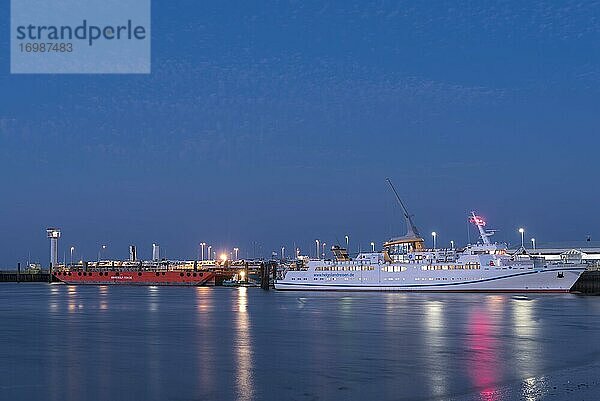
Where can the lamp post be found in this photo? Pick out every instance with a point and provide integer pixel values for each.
(323, 254)
(283, 253)
(72, 249)
(522, 231)
(318, 247)
(452, 245)
(202, 245)
(209, 254)
(236, 250)
(533, 243)
(348, 243)
(373, 247)
(434, 235)
(103, 247)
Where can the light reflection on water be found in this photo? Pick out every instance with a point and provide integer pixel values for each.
(206, 374)
(434, 329)
(526, 332)
(72, 297)
(153, 297)
(163, 343)
(483, 351)
(102, 292)
(243, 347)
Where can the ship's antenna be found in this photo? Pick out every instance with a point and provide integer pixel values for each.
(412, 230)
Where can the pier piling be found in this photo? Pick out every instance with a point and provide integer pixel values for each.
(588, 283)
(264, 275)
(266, 269)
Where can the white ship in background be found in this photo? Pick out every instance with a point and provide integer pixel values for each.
(405, 265)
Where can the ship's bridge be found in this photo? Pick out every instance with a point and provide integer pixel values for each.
(396, 247)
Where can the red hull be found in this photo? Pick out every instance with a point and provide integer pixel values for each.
(134, 277)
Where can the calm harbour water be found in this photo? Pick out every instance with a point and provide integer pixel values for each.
(60, 342)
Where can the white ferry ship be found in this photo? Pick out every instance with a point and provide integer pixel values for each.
(405, 265)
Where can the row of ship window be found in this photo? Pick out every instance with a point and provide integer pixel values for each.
(396, 269)
(387, 279)
(344, 268)
(466, 266)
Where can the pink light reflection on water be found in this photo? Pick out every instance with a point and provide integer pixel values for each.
(484, 353)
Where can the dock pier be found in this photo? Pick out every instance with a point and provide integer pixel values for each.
(16, 276)
(588, 283)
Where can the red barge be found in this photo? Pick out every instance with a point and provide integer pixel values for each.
(135, 276)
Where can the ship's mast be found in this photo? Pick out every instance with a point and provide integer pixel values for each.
(480, 223)
(411, 229)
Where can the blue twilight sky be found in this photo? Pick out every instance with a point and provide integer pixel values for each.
(278, 122)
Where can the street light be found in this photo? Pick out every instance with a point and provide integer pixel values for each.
(209, 248)
(347, 243)
(373, 247)
(283, 253)
(100, 250)
(72, 249)
(318, 247)
(236, 252)
(522, 231)
(533, 243)
(202, 245)
(434, 235)
(452, 245)
(323, 254)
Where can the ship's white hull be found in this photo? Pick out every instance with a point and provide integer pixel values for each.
(539, 280)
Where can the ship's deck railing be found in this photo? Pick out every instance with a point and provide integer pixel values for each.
(293, 268)
(95, 268)
(592, 264)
